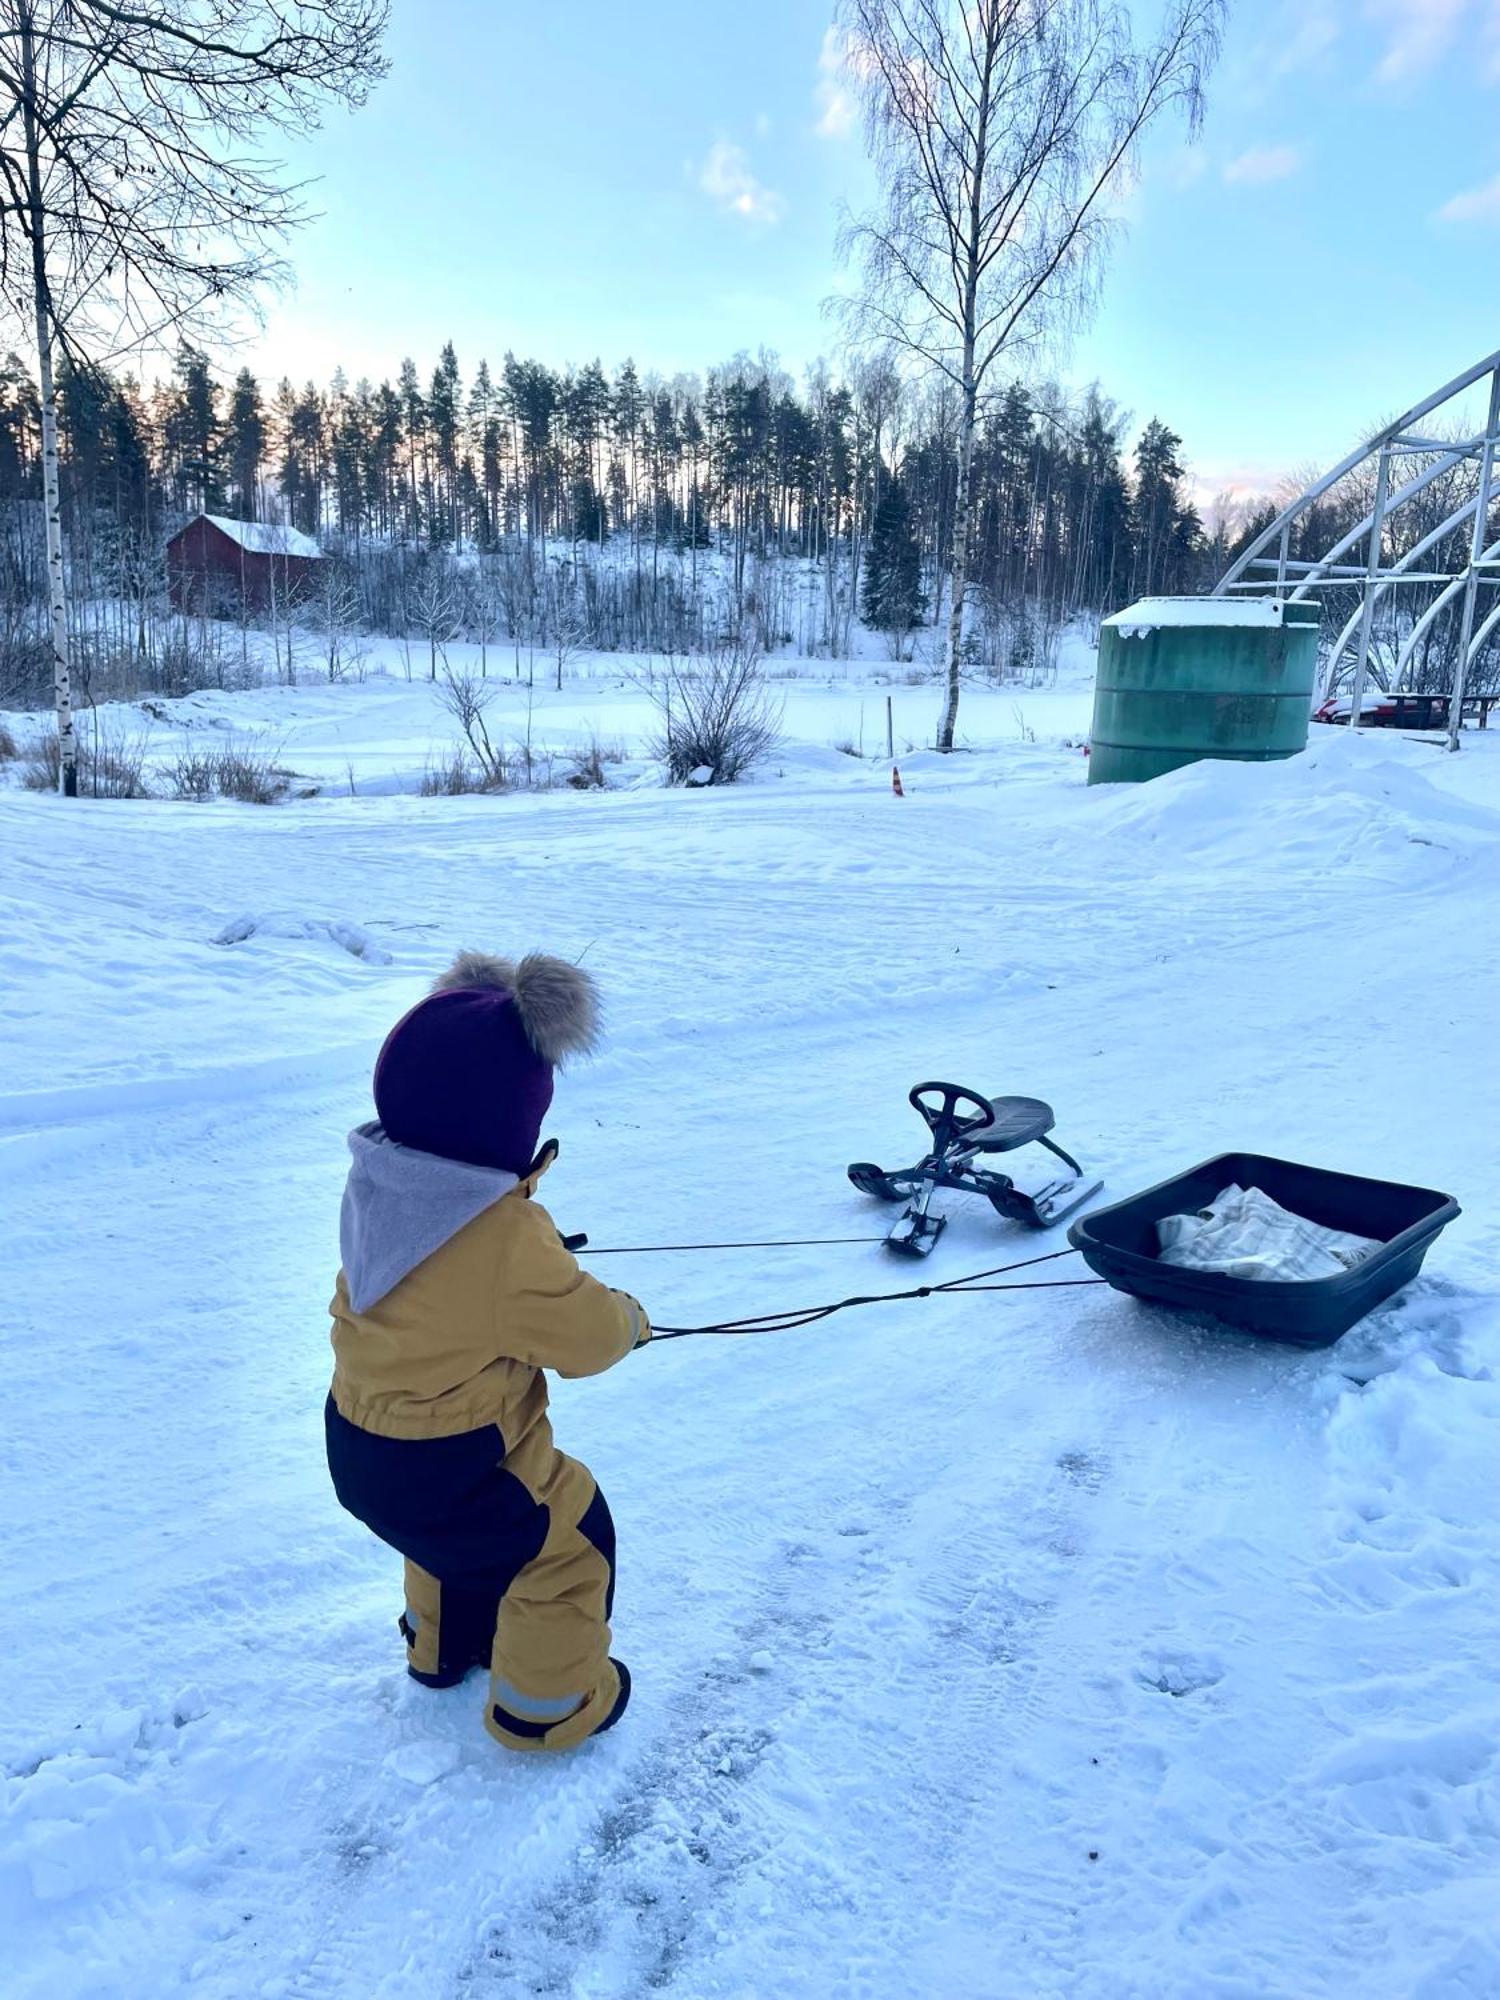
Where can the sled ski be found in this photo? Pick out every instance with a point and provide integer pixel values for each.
(966, 1129)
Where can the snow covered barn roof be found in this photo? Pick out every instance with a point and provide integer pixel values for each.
(265, 538)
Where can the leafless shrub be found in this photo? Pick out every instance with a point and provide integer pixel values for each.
(251, 777)
(8, 750)
(192, 774)
(466, 698)
(455, 774)
(715, 713)
(589, 772)
(25, 653)
(242, 772)
(115, 767)
(42, 764)
(111, 766)
(529, 768)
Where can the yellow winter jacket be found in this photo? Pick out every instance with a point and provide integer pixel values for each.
(461, 1340)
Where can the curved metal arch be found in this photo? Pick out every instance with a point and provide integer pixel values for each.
(1297, 580)
(1429, 617)
(1487, 630)
(1355, 536)
(1288, 515)
(1396, 575)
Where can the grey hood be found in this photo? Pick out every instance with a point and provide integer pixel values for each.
(400, 1206)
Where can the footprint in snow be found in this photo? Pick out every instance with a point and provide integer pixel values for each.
(1083, 1469)
(352, 938)
(1179, 1674)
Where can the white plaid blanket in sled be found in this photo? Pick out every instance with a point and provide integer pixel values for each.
(1244, 1234)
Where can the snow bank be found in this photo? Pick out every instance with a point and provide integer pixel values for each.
(1361, 805)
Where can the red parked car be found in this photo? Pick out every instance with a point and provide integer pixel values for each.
(1379, 710)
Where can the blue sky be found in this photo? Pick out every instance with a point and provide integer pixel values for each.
(663, 181)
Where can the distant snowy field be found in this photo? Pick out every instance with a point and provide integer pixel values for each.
(999, 1646)
(381, 733)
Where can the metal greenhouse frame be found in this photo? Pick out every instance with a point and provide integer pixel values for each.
(1259, 570)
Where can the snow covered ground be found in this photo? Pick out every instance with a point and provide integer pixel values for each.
(996, 1646)
(381, 734)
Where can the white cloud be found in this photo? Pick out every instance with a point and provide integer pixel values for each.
(1420, 34)
(1263, 164)
(1184, 169)
(726, 178)
(1312, 30)
(1242, 484)
(1410, 38)
(838, 108)
(1481, 204)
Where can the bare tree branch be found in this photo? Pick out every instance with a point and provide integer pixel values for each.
(131, 205)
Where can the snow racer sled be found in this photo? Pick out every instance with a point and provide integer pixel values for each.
(965, 1127)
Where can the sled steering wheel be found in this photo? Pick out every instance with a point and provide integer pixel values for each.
(947, 1120)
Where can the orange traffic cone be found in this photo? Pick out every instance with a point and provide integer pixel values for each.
(896, 781)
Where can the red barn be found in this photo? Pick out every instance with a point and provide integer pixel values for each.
(216, 564)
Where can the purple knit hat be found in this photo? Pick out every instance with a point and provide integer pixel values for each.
(468, 1072)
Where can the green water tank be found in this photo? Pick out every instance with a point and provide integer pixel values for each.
(1182, 678)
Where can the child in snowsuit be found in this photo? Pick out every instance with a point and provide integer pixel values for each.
(455, 1293)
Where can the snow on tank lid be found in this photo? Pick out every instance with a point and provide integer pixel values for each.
(1154, 612)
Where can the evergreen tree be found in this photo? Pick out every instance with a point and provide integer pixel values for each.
(893, 598)
(482, 438)
(1102, 522)
(383, 482)
(626, 407)
(531, 393)
(135, 499)
(20, 425)
(192, 433)
(414, 435)
(246, 444)
(309, 437)
(354, 422)
(443, 426)
(1157, 504)
(84, 397)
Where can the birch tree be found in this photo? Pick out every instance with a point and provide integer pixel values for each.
(1002, 130)
(134, 198)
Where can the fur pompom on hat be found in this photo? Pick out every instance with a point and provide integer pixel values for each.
(467, 1074)
(558, 1001)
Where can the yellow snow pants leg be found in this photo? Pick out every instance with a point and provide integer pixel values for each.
(552, 1681)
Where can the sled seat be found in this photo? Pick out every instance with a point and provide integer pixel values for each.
(1014, 1121)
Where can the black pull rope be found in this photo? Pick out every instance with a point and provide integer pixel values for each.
(794, 1317)
(778, 1243)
